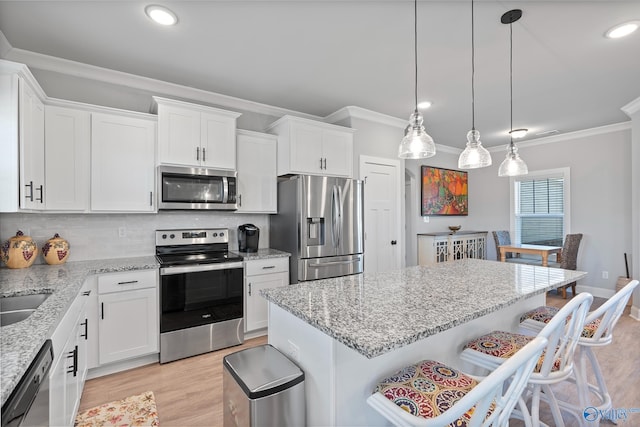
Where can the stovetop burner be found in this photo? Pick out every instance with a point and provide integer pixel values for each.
(187, 247)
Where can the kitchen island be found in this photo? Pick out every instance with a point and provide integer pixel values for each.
(347, 333)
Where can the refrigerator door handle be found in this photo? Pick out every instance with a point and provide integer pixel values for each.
(332, 263)
(335, 217)
(340, 215)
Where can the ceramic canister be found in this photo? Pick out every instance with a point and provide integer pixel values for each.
(19, 251)
(55, 250)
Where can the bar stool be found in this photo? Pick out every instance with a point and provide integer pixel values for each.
(555, 364)
(430, 393)
(598, 332)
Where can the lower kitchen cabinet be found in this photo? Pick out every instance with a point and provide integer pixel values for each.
(261, 274)
(69, 367)
(128, 315)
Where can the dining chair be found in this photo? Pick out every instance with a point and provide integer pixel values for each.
(597, 332)
(432, 394)
(502, 237)
(569, 260)
(555, 365)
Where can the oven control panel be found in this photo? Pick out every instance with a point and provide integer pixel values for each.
(192, 237)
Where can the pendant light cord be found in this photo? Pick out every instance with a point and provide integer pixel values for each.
(415, 49)
(473, 71)
(511, 77)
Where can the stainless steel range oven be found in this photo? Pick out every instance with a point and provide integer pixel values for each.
(201, 291)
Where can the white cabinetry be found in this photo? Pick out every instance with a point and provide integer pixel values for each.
(128, 306)
(441, 247)
(122, 163)
(196, 135)
(31, 134)
(262, 274)
(311, 147)
(67, 141)
(70, 364)
(257, 179)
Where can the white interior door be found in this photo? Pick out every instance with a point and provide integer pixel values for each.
(382, 225)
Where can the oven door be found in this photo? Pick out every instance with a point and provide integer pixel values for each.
(196, 188)
(197, 295)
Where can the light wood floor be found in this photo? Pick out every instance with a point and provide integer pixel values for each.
(189, 392)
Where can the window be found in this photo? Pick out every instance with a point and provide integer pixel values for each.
(540, 207)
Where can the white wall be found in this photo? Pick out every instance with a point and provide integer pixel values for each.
(96, 236)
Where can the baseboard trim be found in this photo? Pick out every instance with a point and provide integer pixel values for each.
(125, 365)
(635, 313)
(596, 292)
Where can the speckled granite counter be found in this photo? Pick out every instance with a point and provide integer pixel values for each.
(374, 314)
(20, 341)
(263, 254)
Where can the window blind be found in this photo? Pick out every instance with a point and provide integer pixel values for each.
(540, 211)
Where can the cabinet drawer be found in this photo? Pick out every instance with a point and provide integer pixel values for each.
(126, 281)
(267, 266)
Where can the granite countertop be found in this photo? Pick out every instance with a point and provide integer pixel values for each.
(20, 342)
(262, 254)
(376, 313)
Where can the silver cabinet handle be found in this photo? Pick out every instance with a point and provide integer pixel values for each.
(320, 162)
(30, 196)
(240, 200)
(266, 267)
(204, 155)
(41, 199)
(249, 288)
(325, 163)
(150, 198)
(129, 282)
(197, 153)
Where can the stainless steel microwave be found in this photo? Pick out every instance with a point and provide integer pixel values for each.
(196, 188)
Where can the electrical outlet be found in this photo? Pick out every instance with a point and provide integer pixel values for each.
(425, 219)
(293, 351)
(122, 232)
(605, 274)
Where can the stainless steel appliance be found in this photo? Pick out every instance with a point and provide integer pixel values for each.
(201, 292)
(248, 237)
(28, 404)
(196, 188)
(319, 222)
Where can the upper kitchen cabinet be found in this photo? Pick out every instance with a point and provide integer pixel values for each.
(122, 163)
(31, 135)
(311, 147)
(195, 135)
(67, 142)
(257, 180)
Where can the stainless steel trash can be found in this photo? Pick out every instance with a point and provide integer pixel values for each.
(262, 387)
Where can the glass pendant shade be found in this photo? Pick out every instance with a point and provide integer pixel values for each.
(512, 165)
(474, 155)
(417, 143)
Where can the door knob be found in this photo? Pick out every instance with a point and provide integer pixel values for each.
(393, 242)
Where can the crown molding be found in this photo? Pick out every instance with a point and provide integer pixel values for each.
(616, 127)
(352, 111)
(119, 78)
(5, 46)
(632, 107)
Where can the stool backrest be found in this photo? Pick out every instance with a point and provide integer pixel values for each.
(563, 333)
(608, 314)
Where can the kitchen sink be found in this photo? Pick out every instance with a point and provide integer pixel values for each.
(15, 309)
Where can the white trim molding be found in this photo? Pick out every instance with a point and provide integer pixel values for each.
(632, 107)
(364, 114)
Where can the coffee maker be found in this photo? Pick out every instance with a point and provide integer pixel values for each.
(248, 236)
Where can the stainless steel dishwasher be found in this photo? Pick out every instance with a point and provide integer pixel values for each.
(28, 404)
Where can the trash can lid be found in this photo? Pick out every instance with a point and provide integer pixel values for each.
(262, 371)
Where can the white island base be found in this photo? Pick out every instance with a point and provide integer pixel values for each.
(338, 379)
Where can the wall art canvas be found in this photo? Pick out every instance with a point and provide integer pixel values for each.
(444, 192)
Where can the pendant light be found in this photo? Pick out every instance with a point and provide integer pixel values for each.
(512, 165)
(474, 155)
(417, 143)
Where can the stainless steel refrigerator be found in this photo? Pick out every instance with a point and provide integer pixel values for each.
(319, 222)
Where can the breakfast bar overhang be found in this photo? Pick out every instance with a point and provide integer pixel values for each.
(347, 333)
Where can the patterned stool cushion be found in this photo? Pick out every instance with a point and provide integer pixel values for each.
(544, 314)
(504, 345)
(427, 389)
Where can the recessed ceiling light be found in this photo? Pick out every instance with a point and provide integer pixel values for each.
(518, 133)
(161, 15)
(424, 105)
(622, 30)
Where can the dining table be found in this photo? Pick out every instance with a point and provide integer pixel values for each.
(543, 250)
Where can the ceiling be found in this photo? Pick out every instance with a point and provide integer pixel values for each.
(316, 57)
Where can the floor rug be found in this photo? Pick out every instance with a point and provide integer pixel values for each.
(137, 410)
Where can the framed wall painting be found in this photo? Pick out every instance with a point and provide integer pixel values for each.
(444, 192)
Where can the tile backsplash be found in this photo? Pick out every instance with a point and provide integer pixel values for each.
(102, 236)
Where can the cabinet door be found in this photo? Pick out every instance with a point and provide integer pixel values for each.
(57, 391)
(256, 313)
(122, 163)
(337, 152)
(67, 153)
(257, 175)
(128, 325)
(306, 149)
(178, 136)
(31, 134)
(217, 141)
